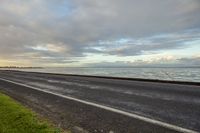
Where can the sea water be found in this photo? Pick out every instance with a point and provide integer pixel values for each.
(174, 74)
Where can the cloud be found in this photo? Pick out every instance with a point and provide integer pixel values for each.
(56, 48)
(140, 46)
(195, 61)
(72, 28)
(166, 61)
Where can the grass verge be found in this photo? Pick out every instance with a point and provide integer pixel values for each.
(15, 118)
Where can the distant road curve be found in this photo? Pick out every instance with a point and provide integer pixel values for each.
(173, 106)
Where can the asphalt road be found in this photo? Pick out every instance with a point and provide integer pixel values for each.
(176, 104)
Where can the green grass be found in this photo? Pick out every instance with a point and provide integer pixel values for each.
(15, 118)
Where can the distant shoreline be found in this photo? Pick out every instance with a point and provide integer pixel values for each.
(13, 67)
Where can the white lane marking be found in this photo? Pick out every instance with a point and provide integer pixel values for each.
(145, 119)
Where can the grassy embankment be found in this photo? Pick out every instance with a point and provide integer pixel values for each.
(15, 118)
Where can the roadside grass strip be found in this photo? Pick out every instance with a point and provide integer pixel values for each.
(15, 118)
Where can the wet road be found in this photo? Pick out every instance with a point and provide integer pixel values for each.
(171, 103)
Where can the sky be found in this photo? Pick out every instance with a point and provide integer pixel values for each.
(96, 33)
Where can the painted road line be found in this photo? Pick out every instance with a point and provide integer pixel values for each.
(142, 118)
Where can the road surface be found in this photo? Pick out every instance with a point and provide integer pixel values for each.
(174, 104)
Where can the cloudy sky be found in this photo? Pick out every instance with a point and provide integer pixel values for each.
(99, 32)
